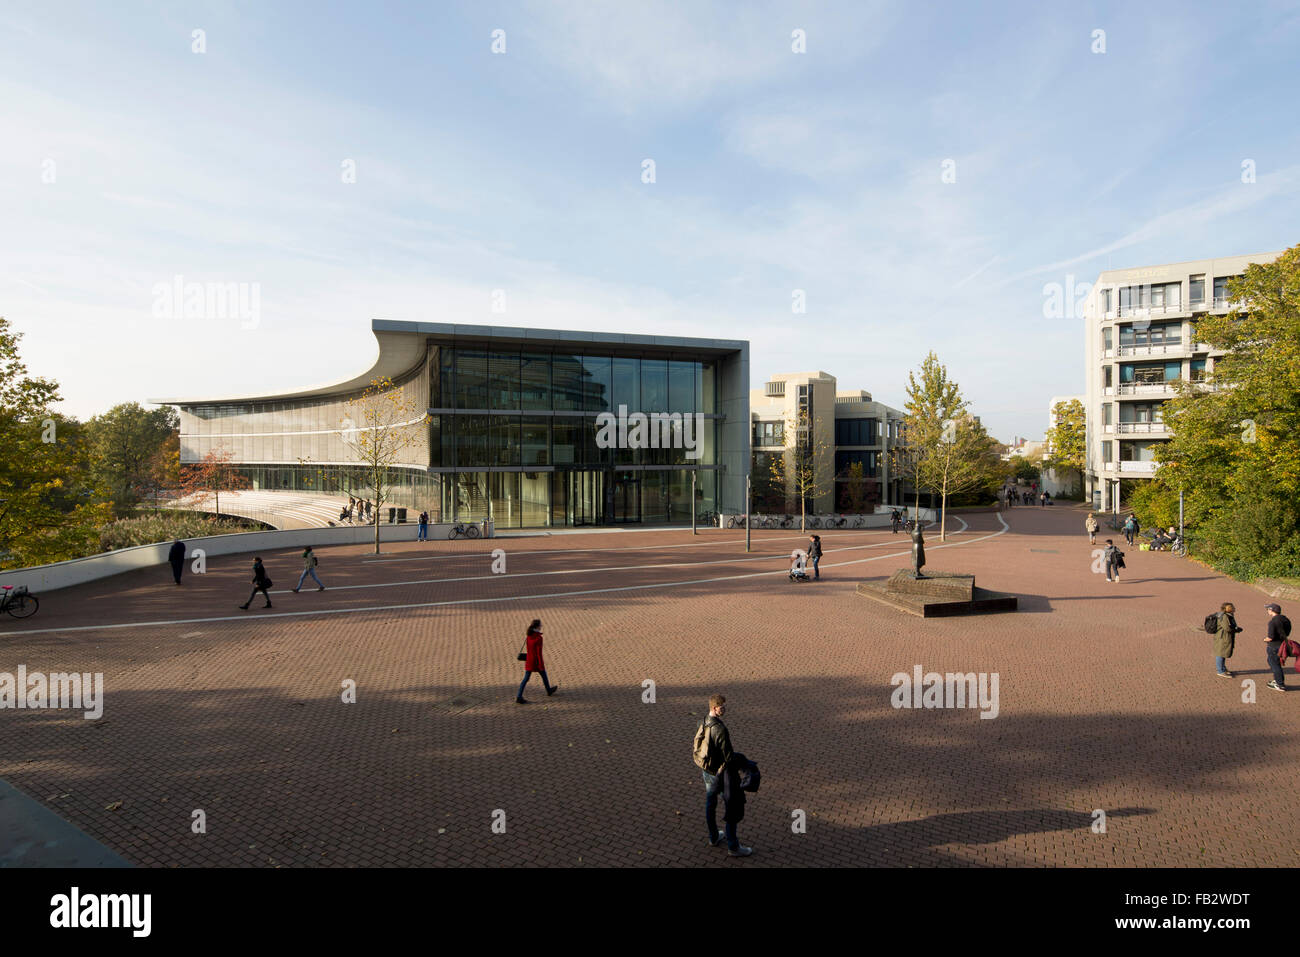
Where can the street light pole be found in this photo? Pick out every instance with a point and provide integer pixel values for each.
(693, 530)
(747, 495)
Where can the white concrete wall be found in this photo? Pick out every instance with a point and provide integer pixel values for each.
(78, 571)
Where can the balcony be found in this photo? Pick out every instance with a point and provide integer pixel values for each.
(1135, 312)
(1146, 388)
(1173, 347)
(1141, 428)
(1131, 467)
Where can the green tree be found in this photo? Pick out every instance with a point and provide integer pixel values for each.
(48, 512)
(1235, 450)
(948, 451)
(1066, 440)
(129, 451)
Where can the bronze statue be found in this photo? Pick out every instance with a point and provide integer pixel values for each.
(918, 551)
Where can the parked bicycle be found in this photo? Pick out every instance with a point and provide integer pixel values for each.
(706, 518)
(19, 602)
(859, 522)
(461, 528)
(736, 521)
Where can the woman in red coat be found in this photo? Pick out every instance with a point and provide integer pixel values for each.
(533, 661)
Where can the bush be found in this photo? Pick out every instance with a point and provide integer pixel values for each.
(154, 527)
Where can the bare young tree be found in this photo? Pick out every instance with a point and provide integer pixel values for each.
(383, 426)
(805, 469)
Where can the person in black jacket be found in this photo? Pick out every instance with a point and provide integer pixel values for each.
(715, 784)
(739, 772)
(1279, 630)
(815, 553)
(176, 556)
(1114, 560)
(261, 583)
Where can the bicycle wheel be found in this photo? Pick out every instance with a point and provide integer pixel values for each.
(22, 606)
(452, 532)
(472, 531)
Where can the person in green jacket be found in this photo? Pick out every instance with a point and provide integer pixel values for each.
(1225, 639)
(308, 568)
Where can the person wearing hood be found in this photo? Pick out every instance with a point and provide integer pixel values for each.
(176, 556)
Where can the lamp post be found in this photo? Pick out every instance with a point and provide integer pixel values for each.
(693, 529)
(748, 492)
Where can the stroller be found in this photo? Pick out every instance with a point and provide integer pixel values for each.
(798, 571)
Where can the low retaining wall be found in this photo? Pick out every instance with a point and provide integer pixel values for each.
(1279, 590)
(78, 571)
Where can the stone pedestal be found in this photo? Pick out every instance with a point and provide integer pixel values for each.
(936, 595)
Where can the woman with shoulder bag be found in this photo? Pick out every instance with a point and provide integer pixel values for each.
(532, 659)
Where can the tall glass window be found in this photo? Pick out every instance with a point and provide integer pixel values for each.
(471, 379)
(627, 384)
(505, 440)
(534, 440)
(503, 387)
(654, 385)
(681, 387)
(535, 381)
(567, 383)
(598, 373)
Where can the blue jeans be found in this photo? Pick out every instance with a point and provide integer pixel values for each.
(1220, 665)
(303, 577)
(424, 533)
(1274, 664)
(816, 571)
(712, 789)
(528, 674)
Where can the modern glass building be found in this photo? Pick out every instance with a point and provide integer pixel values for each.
(514, 426)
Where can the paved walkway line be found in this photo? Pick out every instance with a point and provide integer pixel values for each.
(480, 601)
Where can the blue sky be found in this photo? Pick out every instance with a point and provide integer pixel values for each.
(521, 171)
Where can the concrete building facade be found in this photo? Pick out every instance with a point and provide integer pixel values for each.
(1140, 339)
(525, 427)
(846, 427)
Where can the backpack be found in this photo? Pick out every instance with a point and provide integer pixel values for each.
(702, 751)
(1289, 649)
(1212, 624)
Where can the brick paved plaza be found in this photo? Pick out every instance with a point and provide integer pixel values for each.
(1108, 700)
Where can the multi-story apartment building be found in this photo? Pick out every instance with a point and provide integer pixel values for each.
(849, 428)
(1141, 338)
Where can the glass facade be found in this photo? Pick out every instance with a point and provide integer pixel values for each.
(514, 437)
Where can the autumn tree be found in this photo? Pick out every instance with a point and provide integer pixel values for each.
(1066, 439)
(384, 427)
(210, 476)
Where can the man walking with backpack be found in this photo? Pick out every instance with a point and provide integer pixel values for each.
(713, 753)
(1130, 528)
(1114, 560)
(1279, 630)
